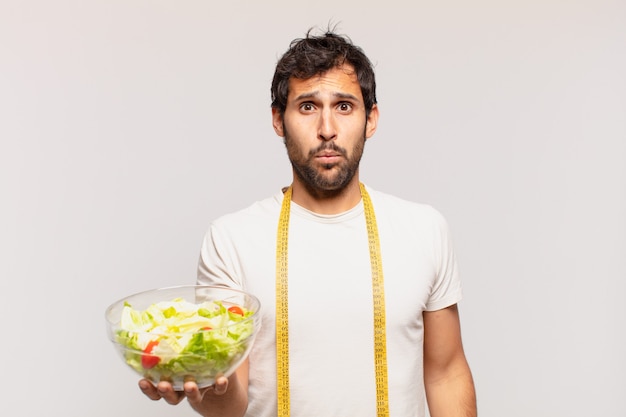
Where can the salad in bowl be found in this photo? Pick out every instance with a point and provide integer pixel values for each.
(185, 333)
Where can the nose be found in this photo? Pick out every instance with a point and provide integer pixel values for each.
(327, 129)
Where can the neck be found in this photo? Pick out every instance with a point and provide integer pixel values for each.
(324, 201)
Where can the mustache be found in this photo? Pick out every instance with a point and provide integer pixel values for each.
(328, 146)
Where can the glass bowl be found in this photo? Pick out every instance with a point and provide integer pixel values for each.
(185, 333)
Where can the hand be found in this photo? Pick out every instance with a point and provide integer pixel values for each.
(228, 397)
(194, 394)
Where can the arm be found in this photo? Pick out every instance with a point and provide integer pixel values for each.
(447, 376)
(227, 398)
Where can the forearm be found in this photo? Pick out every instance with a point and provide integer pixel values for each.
(224, 400)
(452, 394)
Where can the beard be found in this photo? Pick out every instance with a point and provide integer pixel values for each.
(324, 178)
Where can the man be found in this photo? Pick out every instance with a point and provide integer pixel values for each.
(342, 354)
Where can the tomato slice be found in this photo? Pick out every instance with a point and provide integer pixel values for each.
(150, 361)
(236, 310)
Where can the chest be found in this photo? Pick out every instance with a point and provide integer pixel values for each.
(330, 279)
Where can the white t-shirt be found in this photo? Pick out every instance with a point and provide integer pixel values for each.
(330, 300)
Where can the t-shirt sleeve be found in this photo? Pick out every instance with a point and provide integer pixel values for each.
(215, 265)
(446, 288)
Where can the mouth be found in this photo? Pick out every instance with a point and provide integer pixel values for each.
(328, 157)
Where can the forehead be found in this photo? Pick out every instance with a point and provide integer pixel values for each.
(340, 80)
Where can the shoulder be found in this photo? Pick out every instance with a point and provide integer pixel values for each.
(393, 207)
(260, 214)
(262, 208)
(244, 229)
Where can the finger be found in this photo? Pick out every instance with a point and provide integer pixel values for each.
(221, 385)
(149, 390)
(166, 391)
(194, 396)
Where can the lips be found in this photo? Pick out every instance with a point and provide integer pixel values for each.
(327, 154)
(328, 150)
(328, 158)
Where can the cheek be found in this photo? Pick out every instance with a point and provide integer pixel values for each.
(299, 134)
(293, 148)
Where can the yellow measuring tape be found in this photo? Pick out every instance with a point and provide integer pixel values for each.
(282, 308)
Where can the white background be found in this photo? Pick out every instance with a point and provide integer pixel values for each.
(127, 126)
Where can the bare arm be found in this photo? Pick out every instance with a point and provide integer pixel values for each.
(227, 398)
(447, 376)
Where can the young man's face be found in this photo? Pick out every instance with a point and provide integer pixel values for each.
(325, 127)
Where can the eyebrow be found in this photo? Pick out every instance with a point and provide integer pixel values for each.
(314, 94)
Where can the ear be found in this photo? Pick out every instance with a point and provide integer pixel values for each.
(277, 122)
(372, 122)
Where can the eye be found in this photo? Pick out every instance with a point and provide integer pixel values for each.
(344, 107)
(307, 107)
